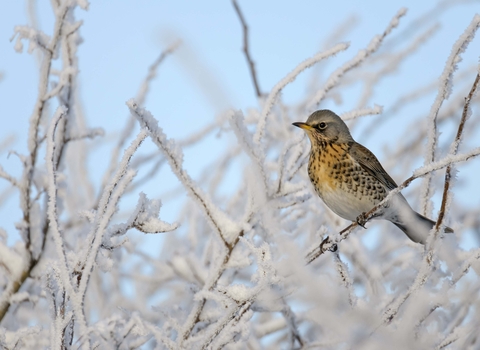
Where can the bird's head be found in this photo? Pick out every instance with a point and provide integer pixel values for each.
(325, 126)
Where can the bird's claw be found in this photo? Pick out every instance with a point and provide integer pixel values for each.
(362, 220)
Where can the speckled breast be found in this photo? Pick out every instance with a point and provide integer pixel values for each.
(341, 182)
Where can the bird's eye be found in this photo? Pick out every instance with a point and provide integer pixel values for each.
(322, 125)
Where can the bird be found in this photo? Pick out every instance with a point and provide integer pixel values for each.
(351, 181)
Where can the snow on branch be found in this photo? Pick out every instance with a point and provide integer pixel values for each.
(81, 269)
(226, 229)
(107, 206)
(144, 218)
(360, 57)
(152, 73)
(141, 96)
(444, 91)
(53, 217)
(8, 177)
(362, 112)
(290, 77)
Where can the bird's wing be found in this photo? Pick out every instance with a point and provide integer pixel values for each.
(370, 163)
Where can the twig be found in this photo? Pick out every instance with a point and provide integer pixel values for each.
(444, 91)
(8, 177)
(356, 61)
(360, 112)
(33, 143)
(454, 149)
(290, 319)
(246, 50)
(290, 77)
(427, 262)
(140, 98)
(342, 270)
(53, 217)
(106, 208)
(217, 218)
(235, 315)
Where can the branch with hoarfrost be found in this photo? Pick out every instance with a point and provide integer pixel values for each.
(373, 46)
(225, 279)
(291, 323)
(457, 275)
(106, 208)
(36, 39)
(53, 218)
(152, 72)
(290, 77)
(33, 142)
(462, 271)
(453, 150)
(237, 123)
(48, 46)
(144, 218)
(342, 270)
(393, 63)
(427, 263)
(242, 297)
(140, 98)
(444, 91)
(362, 112)
(8, 177)
(246, 51)
(226, 229)
(330, 243)
(89, 134)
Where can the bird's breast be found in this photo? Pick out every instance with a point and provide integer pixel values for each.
(328, 166)
(342, 183)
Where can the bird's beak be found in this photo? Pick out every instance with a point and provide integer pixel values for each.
(303, 126)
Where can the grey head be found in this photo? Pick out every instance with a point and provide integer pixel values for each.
(325, 126)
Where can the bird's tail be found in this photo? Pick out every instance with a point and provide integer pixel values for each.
(418, 227)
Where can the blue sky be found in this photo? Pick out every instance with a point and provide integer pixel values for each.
(208, 74)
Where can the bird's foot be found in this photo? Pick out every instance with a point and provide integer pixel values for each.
(362, 220)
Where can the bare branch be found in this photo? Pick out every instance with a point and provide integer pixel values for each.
(246, 50)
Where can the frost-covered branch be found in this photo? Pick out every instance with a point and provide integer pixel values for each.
(361, 56)
(290, 77)
(93, 263)
(141, 97)
(454, 148)
(106, 208)
(444, 91)
(223, 226)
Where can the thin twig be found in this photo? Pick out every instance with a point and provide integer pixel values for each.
(130, 125)
(372, 47)
(454, 149)
(342, 270)
(426, 266)
(26, 202)
(246, 50)
(444, 91)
